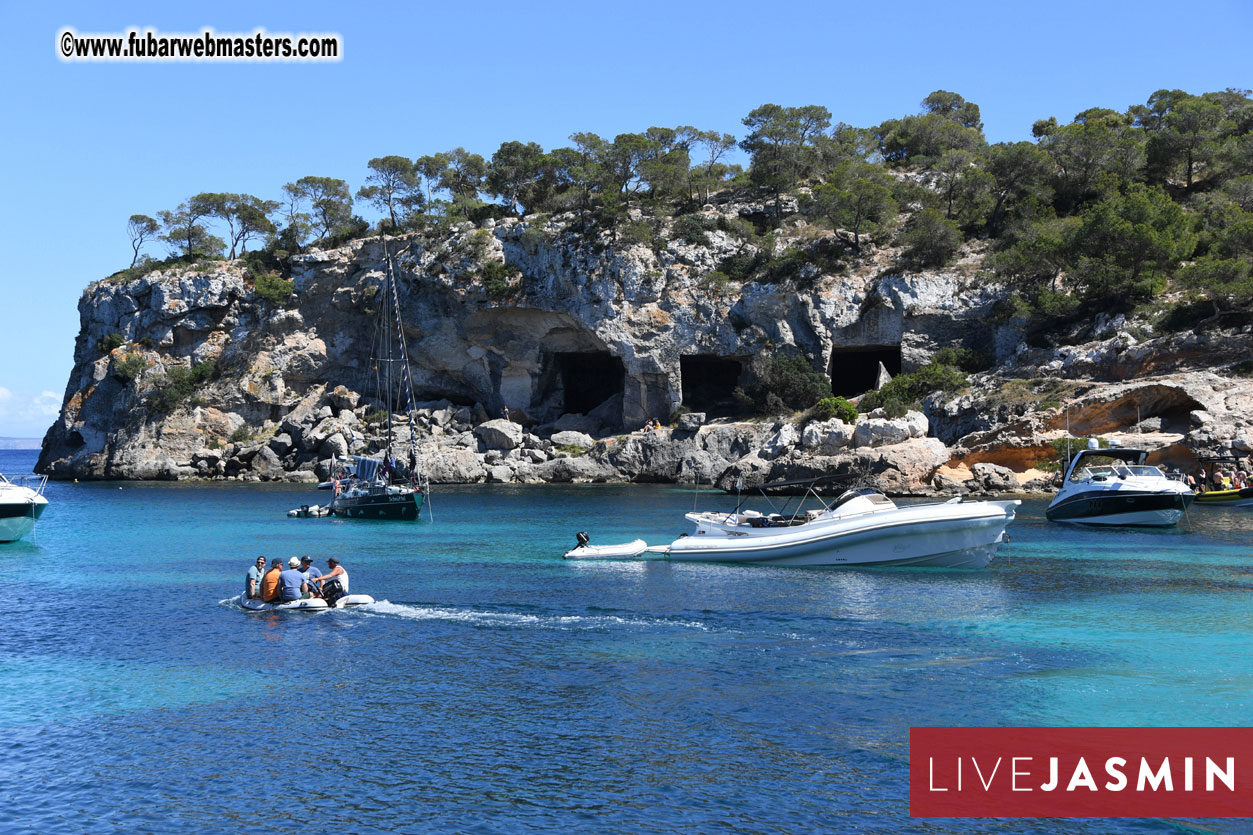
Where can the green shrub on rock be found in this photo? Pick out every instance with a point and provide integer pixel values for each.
(835, 407)
(276, 290)
(178, 385)
(784, 383)
(130, 366)
(110, 342)
(908, 390)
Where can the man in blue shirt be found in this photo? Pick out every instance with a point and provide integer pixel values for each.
(311, 574)
(252, 581)
(291, 582)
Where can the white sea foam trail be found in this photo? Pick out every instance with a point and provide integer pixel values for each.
(524, 619)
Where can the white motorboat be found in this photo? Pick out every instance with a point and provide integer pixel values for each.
(311, 604)
(22, 502)
(861, 527)
(1115, 487)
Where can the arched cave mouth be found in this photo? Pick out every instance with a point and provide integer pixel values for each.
(855, 370)
(581, 380)
(709, 381)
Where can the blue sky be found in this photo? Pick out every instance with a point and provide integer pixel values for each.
(89, 144)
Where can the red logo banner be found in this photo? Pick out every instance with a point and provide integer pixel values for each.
(1080, 772)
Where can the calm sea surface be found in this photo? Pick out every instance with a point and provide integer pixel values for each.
(500, 689)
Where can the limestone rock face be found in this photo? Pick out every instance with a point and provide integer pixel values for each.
(691, 421)
(594, 339)
(579, 300)
(452, 466)
(780, 442)
(827, 437)
(576, 439)
(874, 432)
(499, 434)
(994, 478)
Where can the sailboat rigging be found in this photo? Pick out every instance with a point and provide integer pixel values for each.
(385, 488)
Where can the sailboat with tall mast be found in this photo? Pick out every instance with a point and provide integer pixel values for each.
(386, 488)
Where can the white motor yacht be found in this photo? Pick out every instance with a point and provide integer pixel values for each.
(22, 502)
(1115, 487)
(861, 527)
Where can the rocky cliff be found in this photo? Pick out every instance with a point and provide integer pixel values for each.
(198, 372)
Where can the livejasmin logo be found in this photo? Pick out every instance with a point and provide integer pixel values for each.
(1081, 778)
(1080, 772)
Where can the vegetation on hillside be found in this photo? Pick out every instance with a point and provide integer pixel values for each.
(1100, 213)
(1106, 212)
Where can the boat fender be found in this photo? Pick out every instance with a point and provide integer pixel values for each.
(582, 538)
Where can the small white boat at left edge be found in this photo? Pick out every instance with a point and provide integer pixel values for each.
(22, 502)
(311, 604)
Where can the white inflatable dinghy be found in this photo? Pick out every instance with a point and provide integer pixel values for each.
(306, 511)
(309, 604)
(607, 552)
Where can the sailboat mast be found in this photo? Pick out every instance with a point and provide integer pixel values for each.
(387, 338)
(406, 374)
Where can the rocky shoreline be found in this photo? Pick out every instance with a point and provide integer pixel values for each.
(901, 456)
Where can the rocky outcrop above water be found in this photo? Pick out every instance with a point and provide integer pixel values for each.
(195, 372)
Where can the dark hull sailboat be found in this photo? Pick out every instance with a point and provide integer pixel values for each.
(369, 494)
(378, 503)
(372, 488)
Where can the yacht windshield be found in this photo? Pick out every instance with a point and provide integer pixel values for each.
(1115, 469)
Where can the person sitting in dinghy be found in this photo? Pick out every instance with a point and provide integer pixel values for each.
(269, 583)
(252, 581)
(311, 573)
(292, 585)
(334, 583)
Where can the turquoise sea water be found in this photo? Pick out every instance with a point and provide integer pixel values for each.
(501, 689)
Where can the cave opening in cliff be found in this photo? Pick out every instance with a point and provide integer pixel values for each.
(709, 383)
(855, 370)
(586, 378)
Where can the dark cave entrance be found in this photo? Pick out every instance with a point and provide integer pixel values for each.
(585, 379)
(708, 382)
(854, 370)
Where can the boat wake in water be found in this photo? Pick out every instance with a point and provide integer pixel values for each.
(524, 619)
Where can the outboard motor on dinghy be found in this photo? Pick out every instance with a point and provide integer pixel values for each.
(583, 538)
(332, 591)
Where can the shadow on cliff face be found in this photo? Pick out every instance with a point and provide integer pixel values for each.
(576, 382)
(709, 383)
(855, 371)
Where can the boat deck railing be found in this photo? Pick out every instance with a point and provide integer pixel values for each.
(32, 481)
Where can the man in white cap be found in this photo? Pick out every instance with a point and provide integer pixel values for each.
(292, 585)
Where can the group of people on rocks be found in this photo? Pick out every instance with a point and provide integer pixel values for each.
(300, 580)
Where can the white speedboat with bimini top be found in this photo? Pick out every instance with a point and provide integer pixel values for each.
(1115, 487)
(22, 502)
(860, 527)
